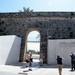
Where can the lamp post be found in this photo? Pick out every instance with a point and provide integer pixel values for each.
(48, 36)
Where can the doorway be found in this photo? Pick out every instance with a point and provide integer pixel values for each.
(33, 44)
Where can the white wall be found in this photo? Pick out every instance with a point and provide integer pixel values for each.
(63, 47)
(9, 49)
(33, 45)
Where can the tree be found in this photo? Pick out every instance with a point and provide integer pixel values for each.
(33, 51)
(38, 37)
(26, 10)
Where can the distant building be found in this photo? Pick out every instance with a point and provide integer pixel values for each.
(33, 45)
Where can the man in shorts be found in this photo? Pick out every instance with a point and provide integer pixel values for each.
(30, 62)
(41, 59)
(27, 60)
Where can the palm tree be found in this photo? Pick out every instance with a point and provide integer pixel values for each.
(38, 37)
(26, 10)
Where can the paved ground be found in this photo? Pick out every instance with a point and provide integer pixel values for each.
(20, 69)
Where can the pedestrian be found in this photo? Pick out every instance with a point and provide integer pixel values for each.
(59, 63)
(41, 59)
(30, 61)
(27, 59)
(72, 55)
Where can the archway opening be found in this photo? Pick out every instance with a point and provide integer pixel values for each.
(33, 44)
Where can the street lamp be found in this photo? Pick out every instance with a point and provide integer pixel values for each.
(48, 36)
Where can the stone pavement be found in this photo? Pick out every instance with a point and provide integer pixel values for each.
(20, 69)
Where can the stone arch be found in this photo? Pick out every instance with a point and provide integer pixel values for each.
(27, 33)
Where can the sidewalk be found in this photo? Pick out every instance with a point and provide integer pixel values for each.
(20, 69)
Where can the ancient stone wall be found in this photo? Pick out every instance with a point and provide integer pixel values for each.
(51, 25)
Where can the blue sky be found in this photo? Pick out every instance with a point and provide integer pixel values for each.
(37, 5)
(32, 36)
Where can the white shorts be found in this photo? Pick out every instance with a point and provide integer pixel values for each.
(41, 60)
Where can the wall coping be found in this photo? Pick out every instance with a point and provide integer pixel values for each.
(36, 14)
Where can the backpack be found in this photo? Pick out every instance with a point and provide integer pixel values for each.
(73, 58)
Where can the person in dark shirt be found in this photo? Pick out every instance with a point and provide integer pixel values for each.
(72, 61)
(59, 63)
(30, 62)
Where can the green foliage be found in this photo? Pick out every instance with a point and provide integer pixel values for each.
(26, 10)
(38, 37)
(33, 51)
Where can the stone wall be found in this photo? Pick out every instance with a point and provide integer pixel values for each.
(57, 25)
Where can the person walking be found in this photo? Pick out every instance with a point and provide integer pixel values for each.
(72, 61)
(27, 59)
(59, 63)
(41, 59)
(30, 62)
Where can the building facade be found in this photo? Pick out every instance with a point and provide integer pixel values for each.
(50, 25)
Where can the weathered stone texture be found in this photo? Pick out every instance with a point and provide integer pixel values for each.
(58, 25)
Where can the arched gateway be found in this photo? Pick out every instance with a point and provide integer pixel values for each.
(50, 25)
